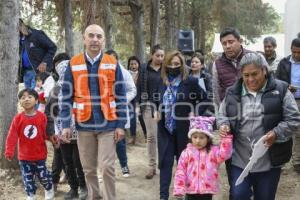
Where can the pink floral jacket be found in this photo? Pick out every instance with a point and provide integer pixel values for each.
(197, 170)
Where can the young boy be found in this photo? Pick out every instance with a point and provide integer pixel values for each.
(28, 129)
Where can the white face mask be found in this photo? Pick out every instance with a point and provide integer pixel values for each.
(133, 72)
(61, 67)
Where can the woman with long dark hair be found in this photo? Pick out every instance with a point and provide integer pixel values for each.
(134, 69)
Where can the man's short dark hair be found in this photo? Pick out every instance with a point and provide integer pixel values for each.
(230, 31)
(298, 35)
(60, 57)
(113, 53)
(30, 92)
(155, 48)
(296, 43)
(271, 40)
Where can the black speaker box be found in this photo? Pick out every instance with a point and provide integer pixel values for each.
(186, 41)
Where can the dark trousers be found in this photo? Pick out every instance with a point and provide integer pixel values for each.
(165, 175)
(31, 169)
(133, 120)
(57, 165)
(143, 125)
(121, 152)
(73, 166)
(198, 197)
(228, 171)
(263, 185)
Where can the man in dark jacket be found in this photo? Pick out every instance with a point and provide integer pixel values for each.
(36, 54)
(289, 71)
(226, 69)
(258, 106)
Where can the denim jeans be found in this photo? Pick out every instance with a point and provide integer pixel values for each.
(29, 79)
(263, 185)
(121, 152)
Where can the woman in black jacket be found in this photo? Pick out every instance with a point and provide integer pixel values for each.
(180, 98)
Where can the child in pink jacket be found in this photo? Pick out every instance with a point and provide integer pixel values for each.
(197, 171)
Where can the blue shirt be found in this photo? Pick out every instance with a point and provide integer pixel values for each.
(295, 76)
(25, 58)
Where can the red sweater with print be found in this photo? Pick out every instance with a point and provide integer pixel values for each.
(30, 134)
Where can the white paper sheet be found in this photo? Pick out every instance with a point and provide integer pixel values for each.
(258, 151)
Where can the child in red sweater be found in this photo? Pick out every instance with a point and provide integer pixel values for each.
(28, 129)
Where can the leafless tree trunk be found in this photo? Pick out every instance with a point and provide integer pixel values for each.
(137, 12)
(9, 45)
(195, 24)
(89, 12)
(170, 24)
(107, 15)
(155, 21)
(202, 33)
(69, 48)
(179, 14)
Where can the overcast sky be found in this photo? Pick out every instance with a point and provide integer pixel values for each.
(277, 4)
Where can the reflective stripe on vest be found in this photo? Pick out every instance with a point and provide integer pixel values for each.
(82, 98)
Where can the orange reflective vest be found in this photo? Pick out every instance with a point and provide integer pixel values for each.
(82, 106)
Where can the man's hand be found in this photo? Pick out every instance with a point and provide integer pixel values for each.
(270, 138)
(119, 134)
(66, 135)
(224, 130)
(42, 67)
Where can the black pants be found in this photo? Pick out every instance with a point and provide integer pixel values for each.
(143, 125)
(72, 162)
(198, 196)
(228, 171)
(57, 165)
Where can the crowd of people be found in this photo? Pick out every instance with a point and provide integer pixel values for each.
(84, 104)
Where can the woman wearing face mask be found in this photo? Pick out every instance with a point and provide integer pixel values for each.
(181, 97)
(134, 69)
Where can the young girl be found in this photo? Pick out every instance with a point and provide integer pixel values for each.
(44, 84)
(197, 171)
(28, 131)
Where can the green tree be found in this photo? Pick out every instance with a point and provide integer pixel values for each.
(252, 18)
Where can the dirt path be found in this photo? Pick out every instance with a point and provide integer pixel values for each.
(136, 187)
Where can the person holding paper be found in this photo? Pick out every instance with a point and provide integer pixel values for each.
(258, 105)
